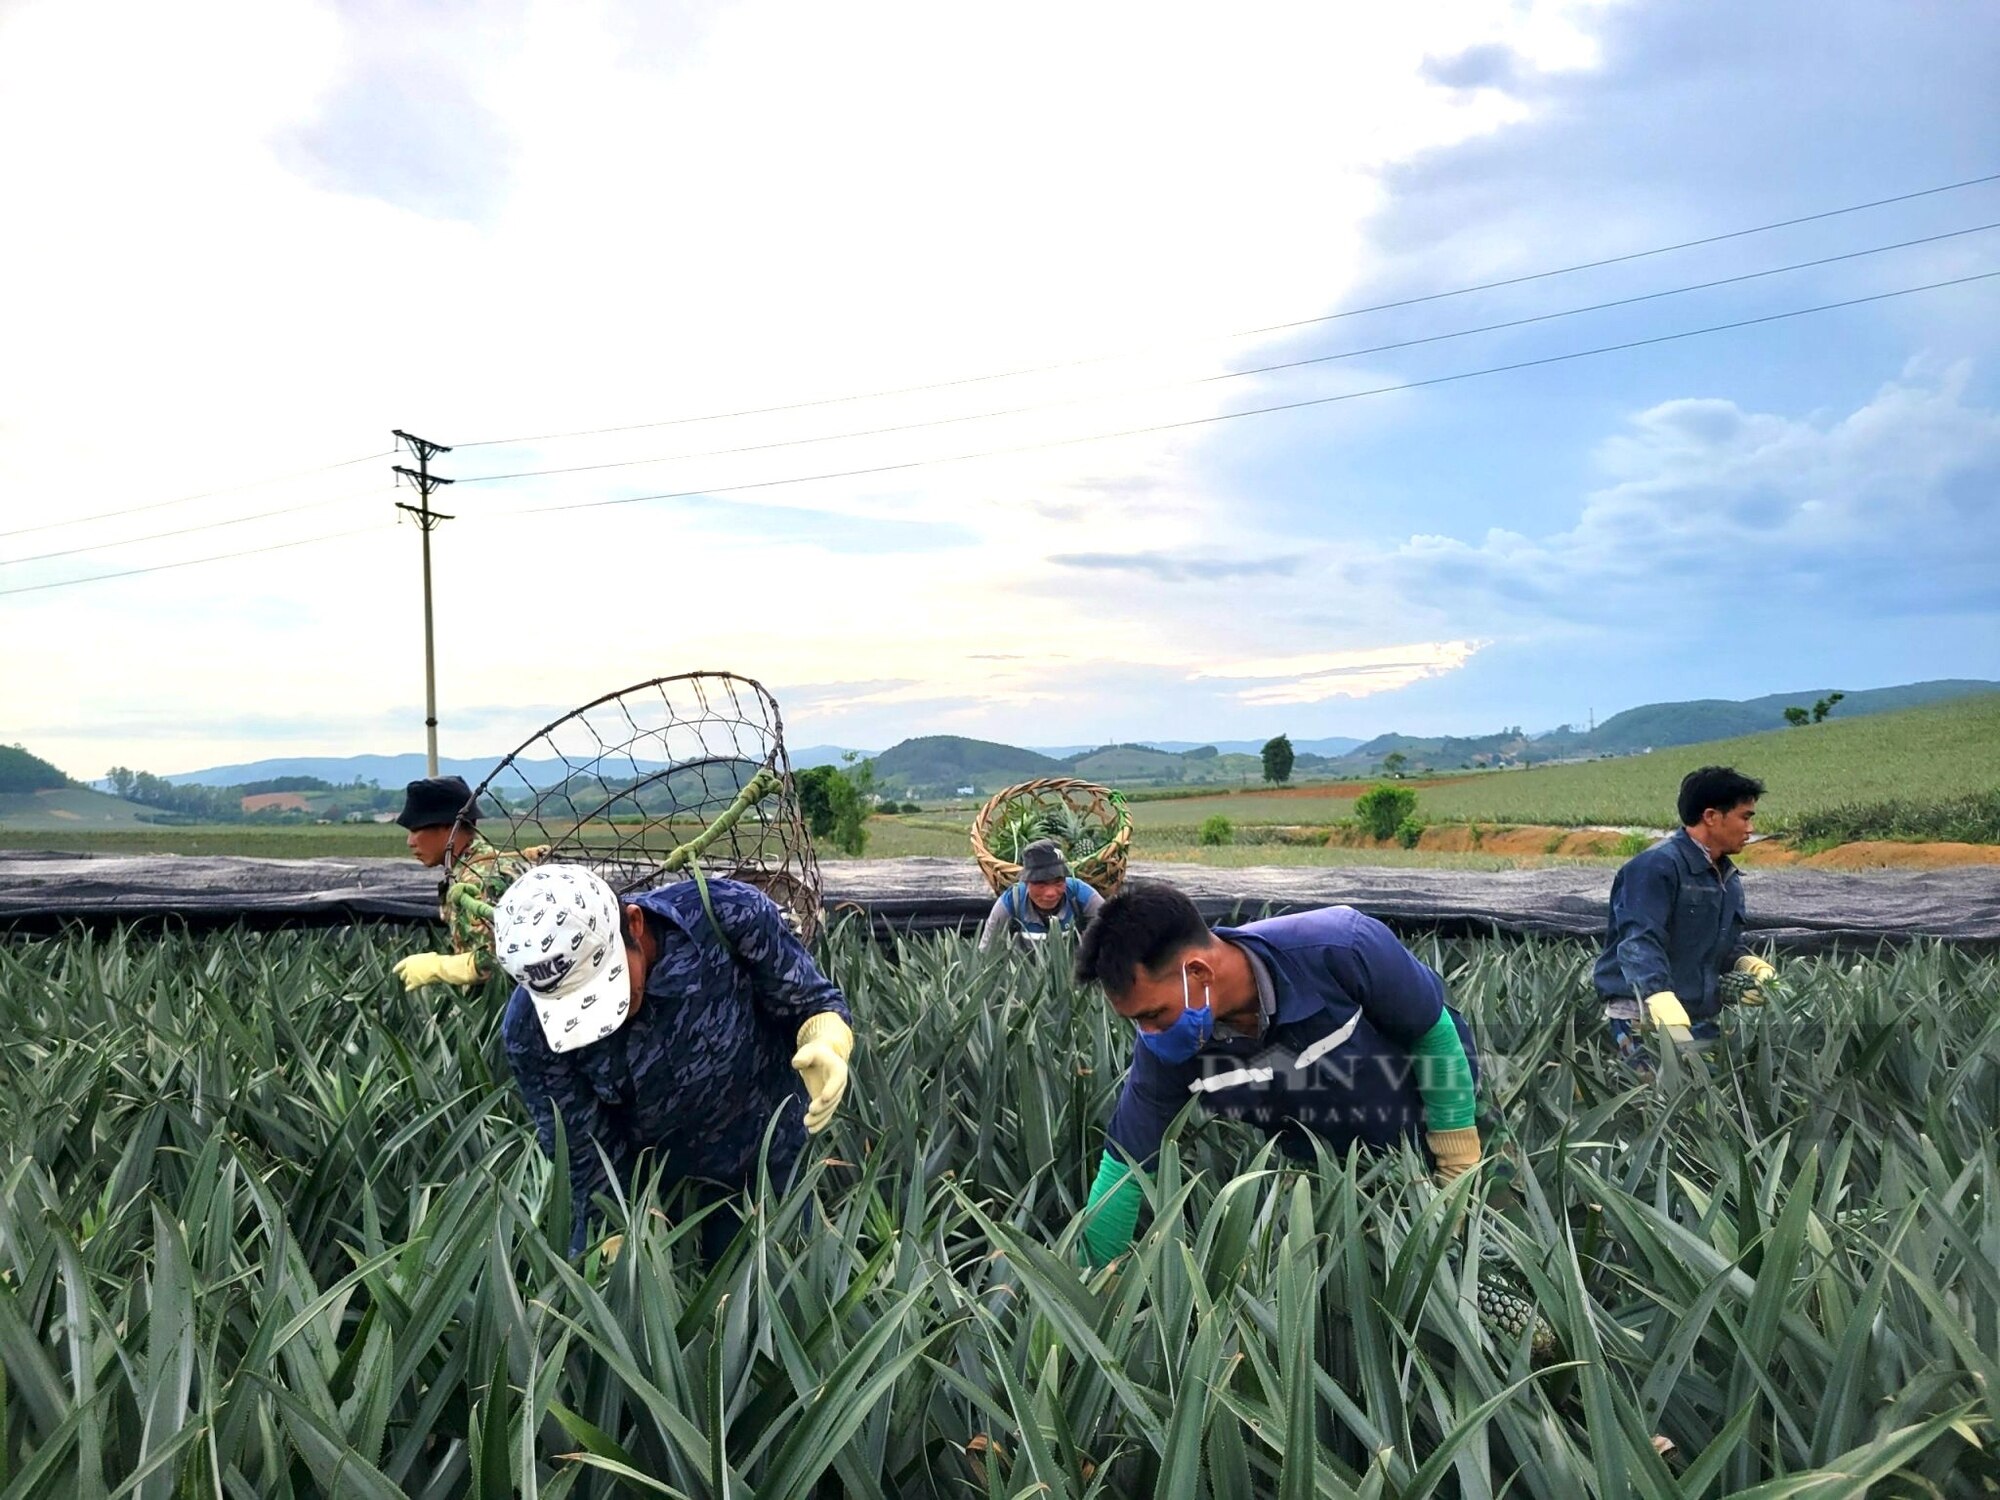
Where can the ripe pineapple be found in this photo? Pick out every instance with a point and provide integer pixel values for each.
(1736, 986)
(1506, 1315)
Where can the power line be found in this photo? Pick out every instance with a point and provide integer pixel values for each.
(1291, 364)
(925, 463)
(130, 541)
(255, 484)
(1257, 411)
(1352, 312)
(193, 562)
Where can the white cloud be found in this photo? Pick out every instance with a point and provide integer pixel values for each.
(260, 235)
(1316, 677)
(1889, 509)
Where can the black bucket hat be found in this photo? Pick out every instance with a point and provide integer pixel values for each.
(436, 802)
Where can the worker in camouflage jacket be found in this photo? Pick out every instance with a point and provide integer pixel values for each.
(443, 820)
(671, 1027)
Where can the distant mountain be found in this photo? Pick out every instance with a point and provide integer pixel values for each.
(400, 770)
(1337, 745)
(1130, 765)
(940, 765)
(1651, 726)
(823, 755)
(341, 770)
(937, 765)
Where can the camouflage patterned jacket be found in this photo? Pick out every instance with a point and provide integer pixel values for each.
(483, 873)
(696, 1076)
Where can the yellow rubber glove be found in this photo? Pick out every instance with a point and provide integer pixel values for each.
(825, 1044)
(1759, 972)
(1457, 1152)
(420, 969)
(1666, 1010)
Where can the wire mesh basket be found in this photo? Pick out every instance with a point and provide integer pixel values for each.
(1089, 823)
(643, 783)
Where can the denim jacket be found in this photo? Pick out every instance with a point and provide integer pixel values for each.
(1676, 924)
(698, 1073)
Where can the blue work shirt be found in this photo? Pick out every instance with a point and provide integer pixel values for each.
(1333, 1061)
(697, 1074)
(1676, 924)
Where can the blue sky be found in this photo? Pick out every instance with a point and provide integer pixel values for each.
(535, 219)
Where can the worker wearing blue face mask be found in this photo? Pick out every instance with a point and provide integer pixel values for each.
(1316, 1024)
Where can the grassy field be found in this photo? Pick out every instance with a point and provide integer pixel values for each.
(1179, 844)
(351, 840)
(63, 809)
(1300, 805)
(1817, 775)
(1935, 753)
(888, 838)
(272, 1228)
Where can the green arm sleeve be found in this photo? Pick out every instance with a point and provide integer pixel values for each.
(1112, 1214)
(1444, 1077)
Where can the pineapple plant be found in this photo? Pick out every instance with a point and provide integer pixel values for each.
(271, 1227)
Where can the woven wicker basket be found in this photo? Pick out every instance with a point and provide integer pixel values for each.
(1103, 868)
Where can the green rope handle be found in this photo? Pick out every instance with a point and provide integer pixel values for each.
(758, 788)
(766, 781)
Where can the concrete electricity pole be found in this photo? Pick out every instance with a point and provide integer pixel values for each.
(425, 481)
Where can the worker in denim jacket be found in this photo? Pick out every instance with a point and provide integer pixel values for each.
(1674, 951)
(667, 1024)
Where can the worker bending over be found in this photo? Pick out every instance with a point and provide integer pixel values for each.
(669, 1024)
(1319, 1024)
(443, 824)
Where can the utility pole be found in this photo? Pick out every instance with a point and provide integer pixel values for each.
(425, 481)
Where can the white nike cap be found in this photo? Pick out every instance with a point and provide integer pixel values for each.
(556, 934)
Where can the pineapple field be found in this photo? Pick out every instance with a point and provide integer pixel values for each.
(269, 1227)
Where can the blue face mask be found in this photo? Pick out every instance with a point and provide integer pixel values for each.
(1190, 1032)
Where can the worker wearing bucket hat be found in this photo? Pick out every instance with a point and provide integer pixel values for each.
(662, 1024)
(443, 823)
(1046, 896)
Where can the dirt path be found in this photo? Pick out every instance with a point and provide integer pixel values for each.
(1605, 843)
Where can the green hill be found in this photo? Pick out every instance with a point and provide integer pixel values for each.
(937, 765)
(1650, 726)
(1442, 752)
(1661, 724)
(1142, 765)
(22, 772)
(1920, 754)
